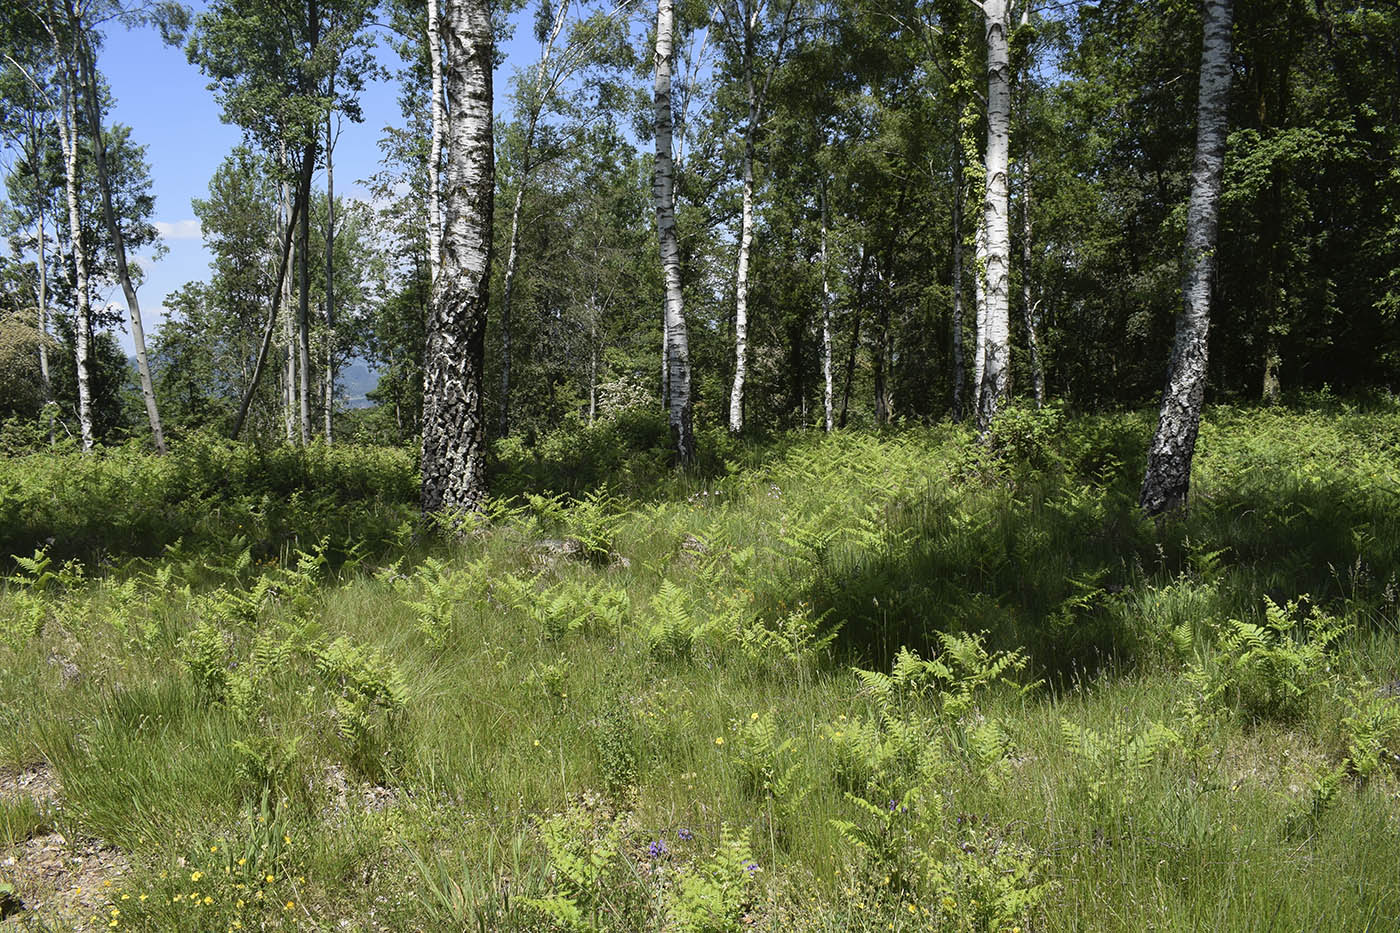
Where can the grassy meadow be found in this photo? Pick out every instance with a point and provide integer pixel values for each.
(873, 681)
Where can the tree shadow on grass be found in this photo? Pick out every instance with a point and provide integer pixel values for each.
(1069, 568)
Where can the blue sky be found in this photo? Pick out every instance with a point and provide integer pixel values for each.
(166, 102)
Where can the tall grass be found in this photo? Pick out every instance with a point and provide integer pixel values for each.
(661, 727)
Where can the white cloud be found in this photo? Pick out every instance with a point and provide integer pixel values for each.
(188, 229)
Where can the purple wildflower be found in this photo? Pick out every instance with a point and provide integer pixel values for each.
(684, 835)
(657, 849)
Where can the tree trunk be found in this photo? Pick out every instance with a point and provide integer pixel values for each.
(329, 375)
(454, 427)
(512, 257)
(44, 322)
(304, 300)
(741, 286)
(979, 301)
(592, 358)
(663, 194)
(99, 151)
(1272, 389)
(855, 336)
(827, 302)
(299, 208)
(68, 136)
(1027, 305)
(1168, 478)
(439, 127)
(959, 378)
(289, 331)
(882, 351)
(996, 228)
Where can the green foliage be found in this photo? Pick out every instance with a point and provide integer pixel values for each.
(711, 896)
(768, 764)
(1115, 765)
(1275, 668)
(982, 878)
(1371, 730)
(582, 856)
(370, 705)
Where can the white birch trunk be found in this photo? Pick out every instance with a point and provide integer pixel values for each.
(44, 321)
(959, 376)
(741, 288)
(68, 138)
(289, 334)
(454, 428)
(328, 377)
(99, 150)
(828, 395)
(1028, 305)
(1168, 479)
(996, 229)
(439, 128)
(663, 194)
(299, 207)
(979, 301)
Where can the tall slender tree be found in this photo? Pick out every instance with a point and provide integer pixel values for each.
(742, 24)
(995, 239)
(677, 344)
(1168, 479)
(87, 70)
(454, 429)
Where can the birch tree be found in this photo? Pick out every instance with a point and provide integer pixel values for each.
(677, 348)
(68, 139)
(87, 69)
(454, 429)
(1168, 479)
(743, 25)
(994, 238)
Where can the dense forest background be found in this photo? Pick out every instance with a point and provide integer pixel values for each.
(861, 126)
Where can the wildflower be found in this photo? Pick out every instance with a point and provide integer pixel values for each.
(269, 879)
(287, 840)
(208, 899)
(754, 717)
(657, 849)
(719, 740)
(196, 875)
(291, 904)
(243, 861)
(213, 848)
(684, 835)
(751, 867)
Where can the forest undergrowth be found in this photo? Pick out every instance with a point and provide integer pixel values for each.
(893, 681)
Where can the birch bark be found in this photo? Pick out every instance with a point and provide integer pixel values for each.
(664, 196)
(454, 428)
(959, 377)
(1168, 479)
(439, 127)
(828, 397)
(284, 289)
(328, 377)
(996, 230)
(68, 139)
(88, 71)
(756, 98)
(283, 267)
